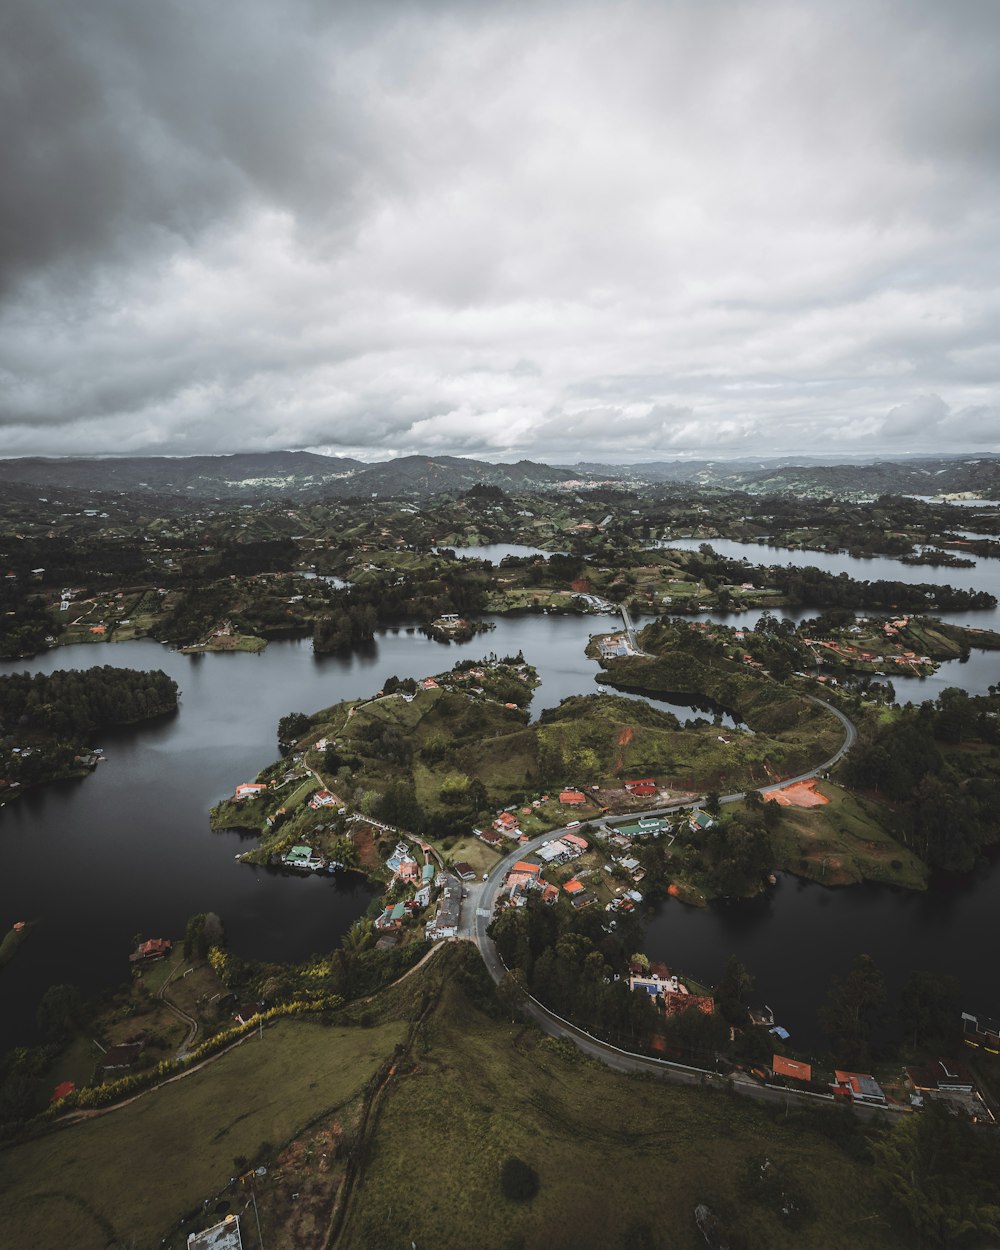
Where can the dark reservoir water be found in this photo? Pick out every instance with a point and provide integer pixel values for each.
(129, 849)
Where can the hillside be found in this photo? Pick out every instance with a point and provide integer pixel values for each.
(343, 1113)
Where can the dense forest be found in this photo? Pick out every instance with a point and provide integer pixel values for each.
(46, 719)
(939, 764)
(72, 703)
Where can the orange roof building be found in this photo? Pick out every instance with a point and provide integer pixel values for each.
(573, 886)
(572, 798)
(533, 870)
(791, 1067)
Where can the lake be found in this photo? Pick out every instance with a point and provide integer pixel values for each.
(975, 675)
(129, 849)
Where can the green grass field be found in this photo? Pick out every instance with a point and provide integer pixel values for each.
(622, 1161)
(132, 1173)
(847, 841)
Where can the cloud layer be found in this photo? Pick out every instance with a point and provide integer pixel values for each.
(557, 230)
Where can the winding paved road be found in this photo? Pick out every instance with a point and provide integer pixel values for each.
(477, 914)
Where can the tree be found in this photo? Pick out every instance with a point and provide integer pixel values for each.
(290, 729)
(61, 1011)
(929, 1009)
(512, 992)
(713, 803)
(733, 990)
(850, 1006)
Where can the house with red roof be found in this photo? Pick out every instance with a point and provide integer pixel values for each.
(155, 948)
(575, 841)
(572, 798)
(794, 1068)
(858, 1087)
(248, 790)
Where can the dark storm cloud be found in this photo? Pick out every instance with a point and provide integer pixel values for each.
(548, 230)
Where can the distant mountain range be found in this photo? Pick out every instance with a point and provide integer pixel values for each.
(304, 475)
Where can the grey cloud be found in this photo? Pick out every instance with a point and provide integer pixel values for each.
(531, 228)
(916, 416)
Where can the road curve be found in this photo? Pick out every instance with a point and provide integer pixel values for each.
(481, 900)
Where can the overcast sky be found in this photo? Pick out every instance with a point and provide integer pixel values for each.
(611, 230)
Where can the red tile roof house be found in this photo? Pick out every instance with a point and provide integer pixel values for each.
(859, 1087)
(575, 840)
(791, 1067)
(506, 823)
(322, 798)
(155, 948)
(572, 798)
(248, 790)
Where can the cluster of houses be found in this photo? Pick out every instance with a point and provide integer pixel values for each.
(425, 880)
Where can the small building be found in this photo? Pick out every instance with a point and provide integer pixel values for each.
(155, 948)
(322, 798)
(981, 1031)
(943, 1075)
(576, 842)
(427, 874)
(445, 923)
(859, 1087)
(700, 821)
(791, 1067)
(118, 1059)
(571, 798)
(464, 871)
(573, 886)
(248, 790)
(533, 870)
(304, 858)
(224, 1236)
(645, 788)
(489, 836)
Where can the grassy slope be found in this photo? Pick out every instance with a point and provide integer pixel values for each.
(139, 1168)
(622, 1161)
(847, 841)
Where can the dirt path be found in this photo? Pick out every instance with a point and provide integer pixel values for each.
(190, 1021)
